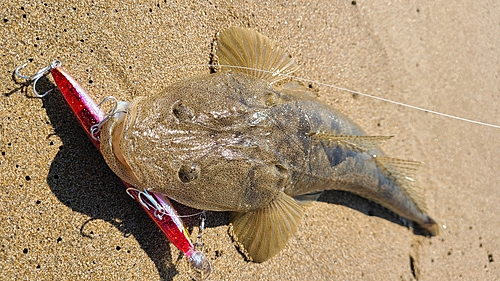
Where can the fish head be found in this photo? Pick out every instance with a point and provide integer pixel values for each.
(198, 151)
(204, 141)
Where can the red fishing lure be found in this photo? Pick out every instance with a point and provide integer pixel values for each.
(90, 116)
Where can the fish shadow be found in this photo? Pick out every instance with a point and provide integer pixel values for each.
(80, 179)
(368, 208)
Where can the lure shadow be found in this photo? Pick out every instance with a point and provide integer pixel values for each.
(80, 178)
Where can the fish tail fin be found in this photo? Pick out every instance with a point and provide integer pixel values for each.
(431, 226)
(403, 172)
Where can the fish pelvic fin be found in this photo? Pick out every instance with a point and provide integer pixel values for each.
(308, 199)
(297, 91)
(253, 53)
(263, 233)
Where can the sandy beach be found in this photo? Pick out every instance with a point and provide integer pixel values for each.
(65, 216)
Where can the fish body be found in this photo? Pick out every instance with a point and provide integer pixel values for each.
(235, 141)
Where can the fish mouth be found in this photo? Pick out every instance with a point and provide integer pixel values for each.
(112, 134)
(119, 118)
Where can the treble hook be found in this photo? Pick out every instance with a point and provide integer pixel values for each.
(96, 128)
(35, 77)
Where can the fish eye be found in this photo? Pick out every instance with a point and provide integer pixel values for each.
(189, 172)
(182, 112)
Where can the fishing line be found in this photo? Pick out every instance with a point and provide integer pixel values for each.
(343, 89)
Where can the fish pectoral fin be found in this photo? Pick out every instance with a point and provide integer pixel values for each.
(263, 233)
(355, 143)
(403, 173)
(247, 51)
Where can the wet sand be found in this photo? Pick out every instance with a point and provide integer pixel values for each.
(65, 216)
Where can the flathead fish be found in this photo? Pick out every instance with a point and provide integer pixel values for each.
(238, 141)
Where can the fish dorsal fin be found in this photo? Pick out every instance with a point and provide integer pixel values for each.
(263, 233)
(356, 143)
(252, 52)
(403, 172)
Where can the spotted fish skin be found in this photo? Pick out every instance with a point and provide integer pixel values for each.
(325, 150)
(238, 141)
